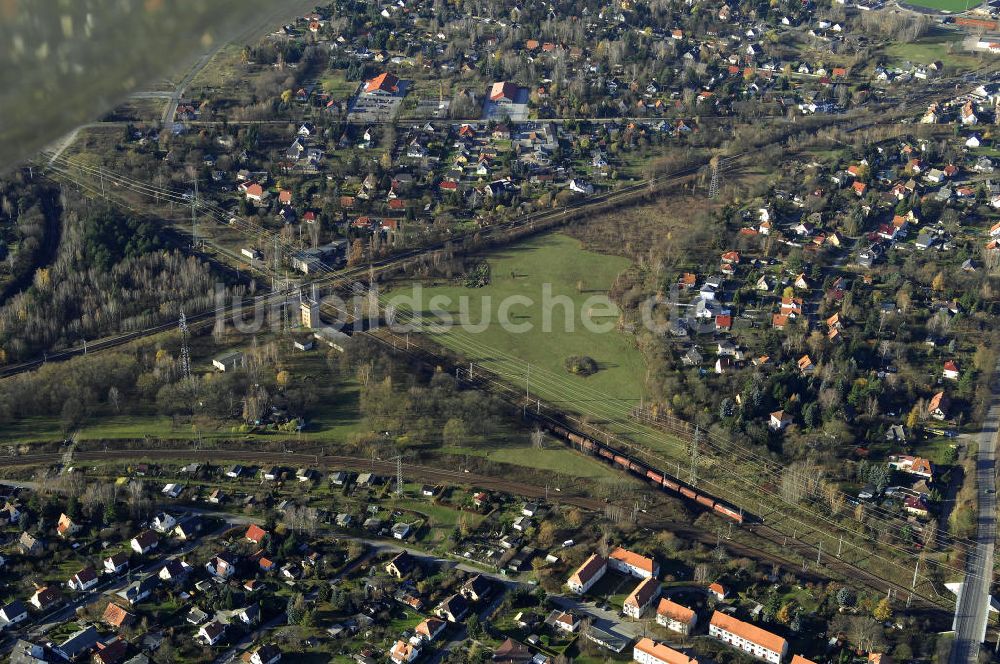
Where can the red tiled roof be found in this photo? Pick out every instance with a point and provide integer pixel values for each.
(750, 632)
(674, 611)
(385, 82)
(634, 559)
(663, 653)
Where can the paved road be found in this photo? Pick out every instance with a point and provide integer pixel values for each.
(972, 608)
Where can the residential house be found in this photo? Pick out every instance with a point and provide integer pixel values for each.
(512, 652)
(401, 565)
(589, 573)
(212, 633)
(139, 590)
(477, 588)
(78, 644)
(189, 527)
(403, 652)
(85, 579)
(116, 564)
(639, 599)
(222, 565)
(938, 406)
(912, 465)
(916, 505)
(428, 629)
(647, 651)
(144, 542)
(675, 617)
(256, 534)
(13, 613)
(718, 591)
(267, 654)
(628, 562)
(564, 621)
(66, 527)
(747, 637)
(163, 522)
(111, 652)
(950, 370)
(116, 616)
(779, 420)
(29, 545)
(453, 609)
(248, 615)
(174, 571)
(45, 598)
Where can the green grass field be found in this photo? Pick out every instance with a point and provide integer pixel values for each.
(559, 265)
(949, 6)
(939, 45)
(557, 458)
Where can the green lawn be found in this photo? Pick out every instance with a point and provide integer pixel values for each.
(558, 265)
(951, 6)
(557, 459)
(934, 47)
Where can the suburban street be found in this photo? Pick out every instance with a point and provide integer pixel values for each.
(972, 608)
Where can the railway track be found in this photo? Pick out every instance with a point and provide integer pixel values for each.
(336, 280)
(431, 475)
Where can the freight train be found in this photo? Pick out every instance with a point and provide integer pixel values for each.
(642, 469)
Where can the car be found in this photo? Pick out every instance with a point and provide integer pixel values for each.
(991, 491)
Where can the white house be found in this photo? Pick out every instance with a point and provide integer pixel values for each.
(639, 600)
(628, 562)
(144, 542)
(13, 613)
(675, 617)
(85, 579)
(163, 522)
(747, 637)
(403, 652)
(116, 564)
(647, 651)
(212, 633)
(589, 573)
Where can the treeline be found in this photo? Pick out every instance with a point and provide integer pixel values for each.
(111, 274)
(25, 207)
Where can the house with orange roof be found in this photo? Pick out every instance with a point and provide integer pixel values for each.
(912, 465)
(639, 599)
(779, 420)
(66, 526)
(628, 562)
(116, 616)
(675, 617)
(587, 574)
(799, 659)
(806, 365)
(859, 188)
(950, 370)
(647, 651)
(255, 192)
(504, 92)
(428, 630)
(718, 591)
(791, 306)
(383, 85)
(403, 652)
(938, 406)
(256, 534)
(749, 638)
